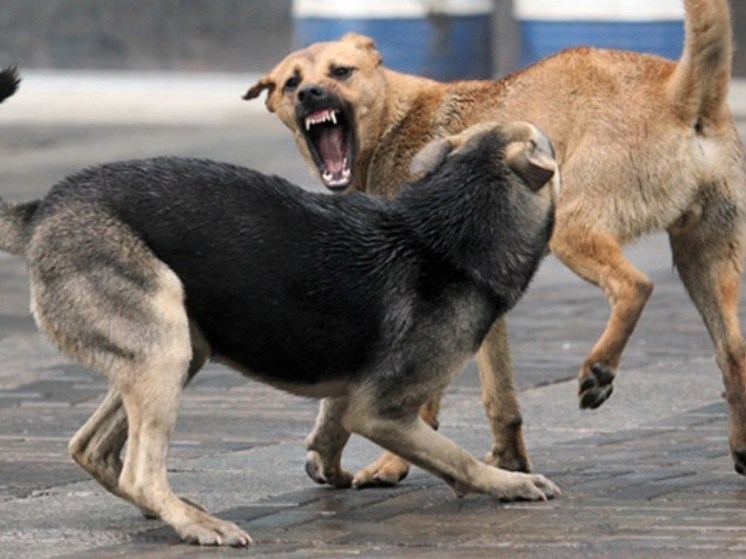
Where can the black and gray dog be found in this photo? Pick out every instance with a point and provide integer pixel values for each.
(142, 270)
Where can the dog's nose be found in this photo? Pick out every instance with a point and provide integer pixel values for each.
(311, 92)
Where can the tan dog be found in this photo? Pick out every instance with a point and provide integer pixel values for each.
(643, 144)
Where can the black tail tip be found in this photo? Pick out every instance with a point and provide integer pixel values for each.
(9, 80)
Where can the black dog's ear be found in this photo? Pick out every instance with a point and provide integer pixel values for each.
(429, 158)
(530, 154)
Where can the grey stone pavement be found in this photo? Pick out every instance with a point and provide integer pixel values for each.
(647, 475)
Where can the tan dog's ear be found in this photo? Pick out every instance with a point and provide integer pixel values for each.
(365, 43)
(429, 158)
(265, 83)
(530, 154)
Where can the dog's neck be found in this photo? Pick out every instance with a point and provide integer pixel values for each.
(402, 93)
(416, 110)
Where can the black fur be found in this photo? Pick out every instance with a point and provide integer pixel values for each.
(299, 287)
(9, 82)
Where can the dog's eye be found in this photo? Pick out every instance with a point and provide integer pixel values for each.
(341, 72)
(292, 83)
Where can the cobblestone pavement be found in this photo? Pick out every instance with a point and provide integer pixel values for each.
(647, 475)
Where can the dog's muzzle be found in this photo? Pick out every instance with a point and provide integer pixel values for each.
(326, 122)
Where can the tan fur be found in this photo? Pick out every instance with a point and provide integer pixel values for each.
(643, 144)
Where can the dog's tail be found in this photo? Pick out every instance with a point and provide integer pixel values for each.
(699, 85)
(15, 225)
(9, 81)
(15, 219)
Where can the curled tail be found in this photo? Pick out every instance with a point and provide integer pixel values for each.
(699, 85)
(15, 219)
(15, 224)
(9, 81)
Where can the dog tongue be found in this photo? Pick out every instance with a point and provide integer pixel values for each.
(332, 149)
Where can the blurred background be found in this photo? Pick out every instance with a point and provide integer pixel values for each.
(109, 80)
(444, 38)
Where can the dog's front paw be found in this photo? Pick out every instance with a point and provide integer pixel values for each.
(387, 471)
(325, 475)
(527, 487)
(203, 529)
(596, 386)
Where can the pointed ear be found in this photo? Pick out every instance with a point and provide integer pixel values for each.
(530, 154)
(429, 158)
(255, 90)
(365, 43)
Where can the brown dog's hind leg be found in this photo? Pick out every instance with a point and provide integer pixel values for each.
(389, 469)
(597, 257)
(500, 402)
(709, 264)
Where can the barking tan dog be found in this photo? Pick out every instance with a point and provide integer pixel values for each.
(643, 144)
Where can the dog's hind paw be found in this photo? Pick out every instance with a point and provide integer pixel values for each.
(388, 470)
(513, 463)
(596, 386)
(323, 475)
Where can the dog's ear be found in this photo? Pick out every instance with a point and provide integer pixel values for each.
(429, 158)
(364, 43)
(530, 154)
(255, 90)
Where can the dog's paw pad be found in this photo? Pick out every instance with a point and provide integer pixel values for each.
(596, 387)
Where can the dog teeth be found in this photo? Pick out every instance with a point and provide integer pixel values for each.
(321, 117)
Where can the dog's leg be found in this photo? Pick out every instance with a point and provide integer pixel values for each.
(389, 469)
(97, 445)
(500, 402)
(326, 443)
(416, 441)
(598, 258)
(709, 264)
(151, 389)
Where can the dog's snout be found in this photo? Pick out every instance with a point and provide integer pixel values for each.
(311, 92)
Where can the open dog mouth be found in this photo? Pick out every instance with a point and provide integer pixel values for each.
(331, 141)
